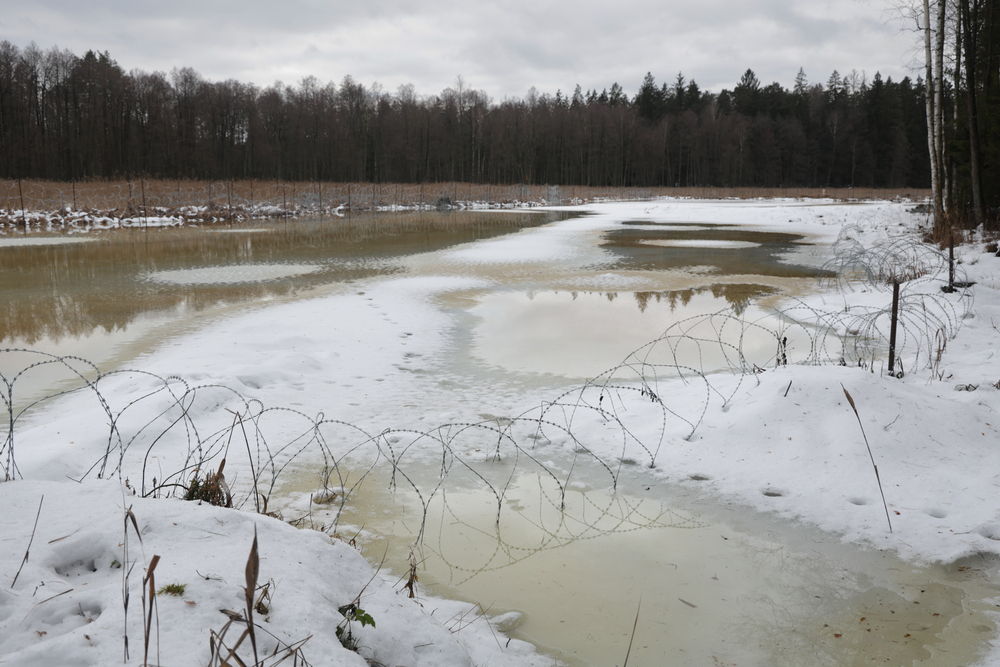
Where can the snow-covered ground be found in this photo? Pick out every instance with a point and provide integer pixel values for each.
(67, 605)
(380, 354)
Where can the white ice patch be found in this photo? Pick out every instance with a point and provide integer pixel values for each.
(238, 231)
(699, 243)
(41, 241)
(231, 275)
(670, 226)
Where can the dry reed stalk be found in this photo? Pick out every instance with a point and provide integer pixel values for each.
(251, 573)
(631, 638)
(850, 399)
(30, 540)
(148, 607)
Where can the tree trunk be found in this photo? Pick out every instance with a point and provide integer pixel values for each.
(952, 191)
(929, 99)
(939, 100)
(969, 18)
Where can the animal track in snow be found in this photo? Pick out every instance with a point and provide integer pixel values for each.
(82, 557)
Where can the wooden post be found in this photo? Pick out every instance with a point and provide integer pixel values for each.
(24, 217)
(145, 217)
(892, 328)
(951, 260)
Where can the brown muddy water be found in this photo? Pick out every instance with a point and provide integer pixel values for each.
(569, 566)
(110, 296)
(57, 289)
(712, 586)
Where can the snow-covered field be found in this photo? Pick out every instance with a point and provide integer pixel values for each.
(380, 354)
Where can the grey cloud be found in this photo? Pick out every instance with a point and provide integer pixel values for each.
(501, 48)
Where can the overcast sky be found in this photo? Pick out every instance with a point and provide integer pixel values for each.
(503, 47)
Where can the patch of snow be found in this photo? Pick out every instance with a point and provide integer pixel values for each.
(255, 230)
(699, 243)
(20, 242)
(229, 275)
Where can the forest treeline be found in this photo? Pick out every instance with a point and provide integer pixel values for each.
(69, 117)
(961, 40)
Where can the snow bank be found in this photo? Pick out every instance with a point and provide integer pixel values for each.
(67, 607)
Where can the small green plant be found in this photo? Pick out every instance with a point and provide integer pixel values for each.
(176, 590)
(352, 612)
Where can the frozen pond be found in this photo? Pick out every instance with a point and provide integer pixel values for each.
(448, 323)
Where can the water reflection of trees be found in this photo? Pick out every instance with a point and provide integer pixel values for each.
(737, 295)
(73, 290)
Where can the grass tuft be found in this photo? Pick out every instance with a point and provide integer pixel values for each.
(211, 488)
(177, 590)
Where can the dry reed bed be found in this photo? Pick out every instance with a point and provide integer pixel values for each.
(54, 205)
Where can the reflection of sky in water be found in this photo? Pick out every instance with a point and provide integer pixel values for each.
(582, 334)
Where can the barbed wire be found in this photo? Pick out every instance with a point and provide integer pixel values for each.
(166, 430)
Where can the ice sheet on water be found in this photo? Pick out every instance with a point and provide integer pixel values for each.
(223, 275)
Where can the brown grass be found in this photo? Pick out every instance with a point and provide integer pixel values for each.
(148, 197)
(211, 488)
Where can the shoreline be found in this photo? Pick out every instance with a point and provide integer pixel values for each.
(54, 207)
